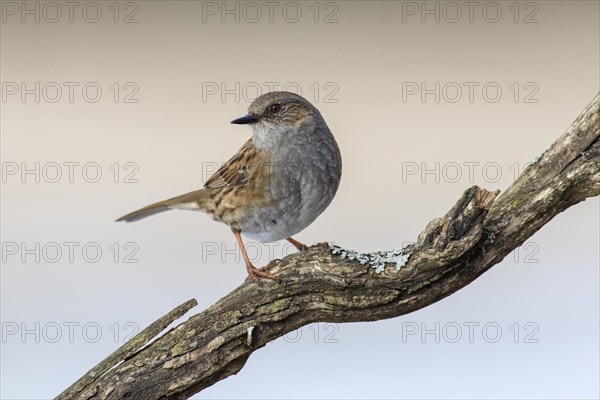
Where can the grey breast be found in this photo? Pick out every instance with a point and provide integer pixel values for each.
(306, 176)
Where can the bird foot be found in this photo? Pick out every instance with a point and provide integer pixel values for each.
(256, 273)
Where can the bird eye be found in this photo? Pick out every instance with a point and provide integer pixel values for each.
(276, 108)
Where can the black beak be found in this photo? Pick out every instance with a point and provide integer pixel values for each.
(246, 119)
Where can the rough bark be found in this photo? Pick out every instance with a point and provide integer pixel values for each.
(320, 286)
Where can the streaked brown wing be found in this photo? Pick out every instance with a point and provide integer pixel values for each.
(234, 172)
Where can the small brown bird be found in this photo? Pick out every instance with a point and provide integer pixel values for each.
(277, 184)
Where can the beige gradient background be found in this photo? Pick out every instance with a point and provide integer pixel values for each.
(172, 130)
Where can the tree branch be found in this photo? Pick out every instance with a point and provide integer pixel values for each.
(318, 285)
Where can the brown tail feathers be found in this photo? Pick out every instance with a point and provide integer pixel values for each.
(188, 201)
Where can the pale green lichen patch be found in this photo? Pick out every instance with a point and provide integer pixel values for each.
(361, 301)
(278, 309)
(227, 319)
(179, 349)
(376, 260)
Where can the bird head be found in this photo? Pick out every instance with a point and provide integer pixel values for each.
(277, 116)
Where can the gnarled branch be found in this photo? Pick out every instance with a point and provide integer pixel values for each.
(318, 286)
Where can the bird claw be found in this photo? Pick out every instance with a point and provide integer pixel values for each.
(256, 273)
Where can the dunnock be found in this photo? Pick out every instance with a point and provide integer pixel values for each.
(277, 184)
